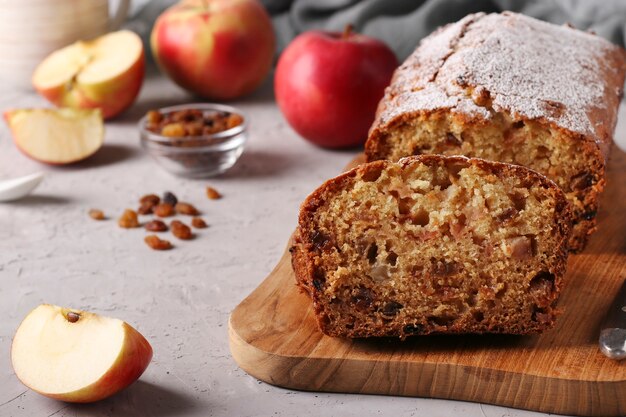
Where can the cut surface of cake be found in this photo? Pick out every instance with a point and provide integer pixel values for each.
(433, 244)
(510, 88)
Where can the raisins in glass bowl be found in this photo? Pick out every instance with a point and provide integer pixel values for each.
(194, 140)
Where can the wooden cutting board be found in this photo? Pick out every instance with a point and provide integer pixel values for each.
(274, 337)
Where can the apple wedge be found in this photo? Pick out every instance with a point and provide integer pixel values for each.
(56, 136)
(77, 356)
(104, 73)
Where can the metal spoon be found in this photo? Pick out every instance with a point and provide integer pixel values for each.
(613, 331)
(16, 188)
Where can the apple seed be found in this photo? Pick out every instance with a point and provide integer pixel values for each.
(72, 317)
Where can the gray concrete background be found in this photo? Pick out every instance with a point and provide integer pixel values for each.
(52, 252)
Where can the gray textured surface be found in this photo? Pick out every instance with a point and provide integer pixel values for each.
(51, 251)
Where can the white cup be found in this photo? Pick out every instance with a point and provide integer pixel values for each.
(32, 29)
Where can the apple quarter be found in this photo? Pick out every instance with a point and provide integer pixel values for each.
(77, 356)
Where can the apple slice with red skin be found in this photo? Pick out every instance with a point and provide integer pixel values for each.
(56, 136)
(77, 356)
(105, 73)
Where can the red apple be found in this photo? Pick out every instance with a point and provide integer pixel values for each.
(77, 356)
(218, 49)
(328, 85)
(104, 73)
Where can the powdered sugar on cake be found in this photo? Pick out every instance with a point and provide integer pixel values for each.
(527, 68)
(431, 97)
(535, 69)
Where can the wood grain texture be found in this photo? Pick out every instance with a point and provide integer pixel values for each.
(274, 337)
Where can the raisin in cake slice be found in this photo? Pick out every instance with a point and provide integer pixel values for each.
(514, 89)
(433, 244)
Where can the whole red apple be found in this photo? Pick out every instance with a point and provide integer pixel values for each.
(218, 49)
(328, 85)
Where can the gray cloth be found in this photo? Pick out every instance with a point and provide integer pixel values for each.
(402, 23)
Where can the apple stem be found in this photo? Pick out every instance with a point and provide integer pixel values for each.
(347, 31)
(205, 4)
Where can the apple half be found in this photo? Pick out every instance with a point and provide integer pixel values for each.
(105, 73)
(77, 356)
(56, 136)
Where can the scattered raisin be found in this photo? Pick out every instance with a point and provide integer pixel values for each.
(96, 214)
(146, 208)
(198, 223)
(166, 206)
(212, 193)
(186, 208)
(163, 210)
(150, 198)
(156, 226)
(156, 243)
(128, 219)
(170, 198)
(181, 230)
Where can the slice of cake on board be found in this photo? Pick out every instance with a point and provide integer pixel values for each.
(433, 244)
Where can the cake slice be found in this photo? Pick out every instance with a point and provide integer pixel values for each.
(510, 88)
(433, 244)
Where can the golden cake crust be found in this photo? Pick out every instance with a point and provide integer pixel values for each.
(565, 80)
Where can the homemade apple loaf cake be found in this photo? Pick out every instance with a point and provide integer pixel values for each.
(433, 244)
(509, 88)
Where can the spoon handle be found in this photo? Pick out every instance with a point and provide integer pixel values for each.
(613, 330)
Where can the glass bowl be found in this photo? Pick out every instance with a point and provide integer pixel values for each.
(199, 156)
